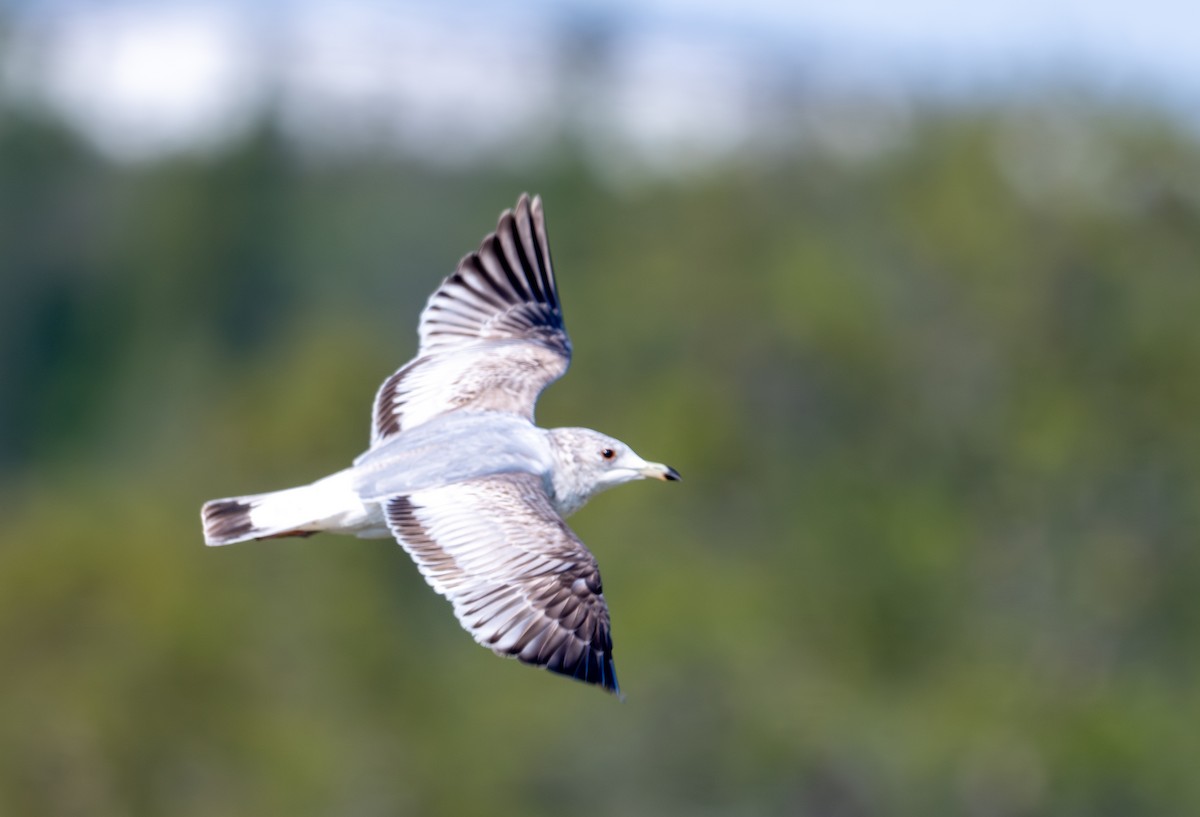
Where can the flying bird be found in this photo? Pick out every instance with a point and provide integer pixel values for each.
(459, 474)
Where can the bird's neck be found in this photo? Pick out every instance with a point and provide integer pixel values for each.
(566, 483)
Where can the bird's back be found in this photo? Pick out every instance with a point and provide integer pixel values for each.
(451, 448)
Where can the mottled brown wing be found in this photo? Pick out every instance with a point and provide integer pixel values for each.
(492, 334)
(521, 582)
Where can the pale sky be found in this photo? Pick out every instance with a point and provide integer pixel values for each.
(143, 78)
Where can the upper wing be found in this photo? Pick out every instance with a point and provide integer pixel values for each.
(492, 334)
(520, 581)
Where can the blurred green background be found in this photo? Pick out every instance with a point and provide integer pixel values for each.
(935, 407)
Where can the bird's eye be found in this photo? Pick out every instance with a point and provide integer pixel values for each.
(608, 453)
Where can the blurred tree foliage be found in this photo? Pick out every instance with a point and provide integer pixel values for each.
(935, 552)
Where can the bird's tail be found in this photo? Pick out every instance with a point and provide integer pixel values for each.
(291, 512)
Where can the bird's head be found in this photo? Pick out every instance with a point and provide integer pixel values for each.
(588, 462)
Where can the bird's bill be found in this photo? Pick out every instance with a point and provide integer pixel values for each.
(656, 470)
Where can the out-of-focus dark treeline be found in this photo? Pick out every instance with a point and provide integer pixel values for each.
(935, 551)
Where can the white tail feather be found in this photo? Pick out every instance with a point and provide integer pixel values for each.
(326, 505)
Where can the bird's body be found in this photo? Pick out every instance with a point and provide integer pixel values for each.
(459, 474)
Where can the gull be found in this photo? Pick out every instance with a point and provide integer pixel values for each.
(459, 474)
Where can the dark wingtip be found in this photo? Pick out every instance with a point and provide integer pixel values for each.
(600, 673)
(611, 683)
(589, 662)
